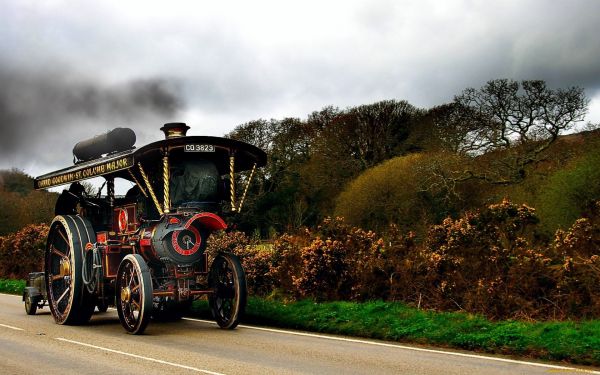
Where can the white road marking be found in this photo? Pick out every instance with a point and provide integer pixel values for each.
(358, 341)
(140, 357)
(12, 295)
(11, 327)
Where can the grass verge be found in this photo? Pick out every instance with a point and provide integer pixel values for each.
(575, 342)
(12, 286)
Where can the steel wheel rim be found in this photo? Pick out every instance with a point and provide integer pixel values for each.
(28, 304)
(131, 308)
(59, 271)
(226, 291)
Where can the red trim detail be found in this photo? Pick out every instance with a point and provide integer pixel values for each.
(101, 237)
(145, 242)
(182, 251)
(174, 220)
(208, 220)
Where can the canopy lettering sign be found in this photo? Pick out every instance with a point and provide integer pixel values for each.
(84, 171)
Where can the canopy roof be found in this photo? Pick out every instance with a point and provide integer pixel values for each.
(216, 149)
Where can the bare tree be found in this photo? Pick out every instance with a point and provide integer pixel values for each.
(507, 125)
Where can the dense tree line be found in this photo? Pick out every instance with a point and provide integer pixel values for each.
(20, 204)
(487, 137)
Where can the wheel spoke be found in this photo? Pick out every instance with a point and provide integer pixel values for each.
(63, 237)
(62, 296)
(132, 275)
(57, 252)
(136, 305)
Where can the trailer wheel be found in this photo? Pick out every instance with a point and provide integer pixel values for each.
(134, 294)
(31, 304)
(228, 283)
(69, 300)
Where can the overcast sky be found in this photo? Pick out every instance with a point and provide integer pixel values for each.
(73, 69)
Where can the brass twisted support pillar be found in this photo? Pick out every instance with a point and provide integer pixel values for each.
(232, 181)
(138, 183)
(160, 211)
(167, 203)
(246, 188)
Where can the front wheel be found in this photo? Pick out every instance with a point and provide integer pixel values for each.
(134, 294)
(228, 283)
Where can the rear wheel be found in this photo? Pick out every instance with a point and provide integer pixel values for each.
(69, 300)
(134, 294)
(228, 283)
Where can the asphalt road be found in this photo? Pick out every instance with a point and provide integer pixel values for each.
(36, 345)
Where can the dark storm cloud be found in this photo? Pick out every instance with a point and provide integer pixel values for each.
(439, 48)
(558, 42)
(44, 113)
(233, 62)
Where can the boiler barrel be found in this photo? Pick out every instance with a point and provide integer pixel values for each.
(118, 139)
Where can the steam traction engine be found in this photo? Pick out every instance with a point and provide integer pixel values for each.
(144, 253)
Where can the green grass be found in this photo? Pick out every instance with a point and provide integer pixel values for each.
(12, 286)
(576, 342)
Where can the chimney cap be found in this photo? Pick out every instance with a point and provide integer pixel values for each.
(175, 129)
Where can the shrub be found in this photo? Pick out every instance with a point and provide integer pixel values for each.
(403, 266)
(324, 272)
(339, 262)
(23, 251)
(570, 192)
(483, 262)
(286, 263)
(232, 242)
(578, 276)
(256, 260)
(412, 192)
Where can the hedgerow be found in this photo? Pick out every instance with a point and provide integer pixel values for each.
(488, 262)
(23, 252)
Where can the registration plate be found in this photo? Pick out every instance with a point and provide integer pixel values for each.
(199, 148)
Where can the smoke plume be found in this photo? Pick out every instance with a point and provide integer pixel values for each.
(43, 114)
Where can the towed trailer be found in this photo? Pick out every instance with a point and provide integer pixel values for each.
(144, 253)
